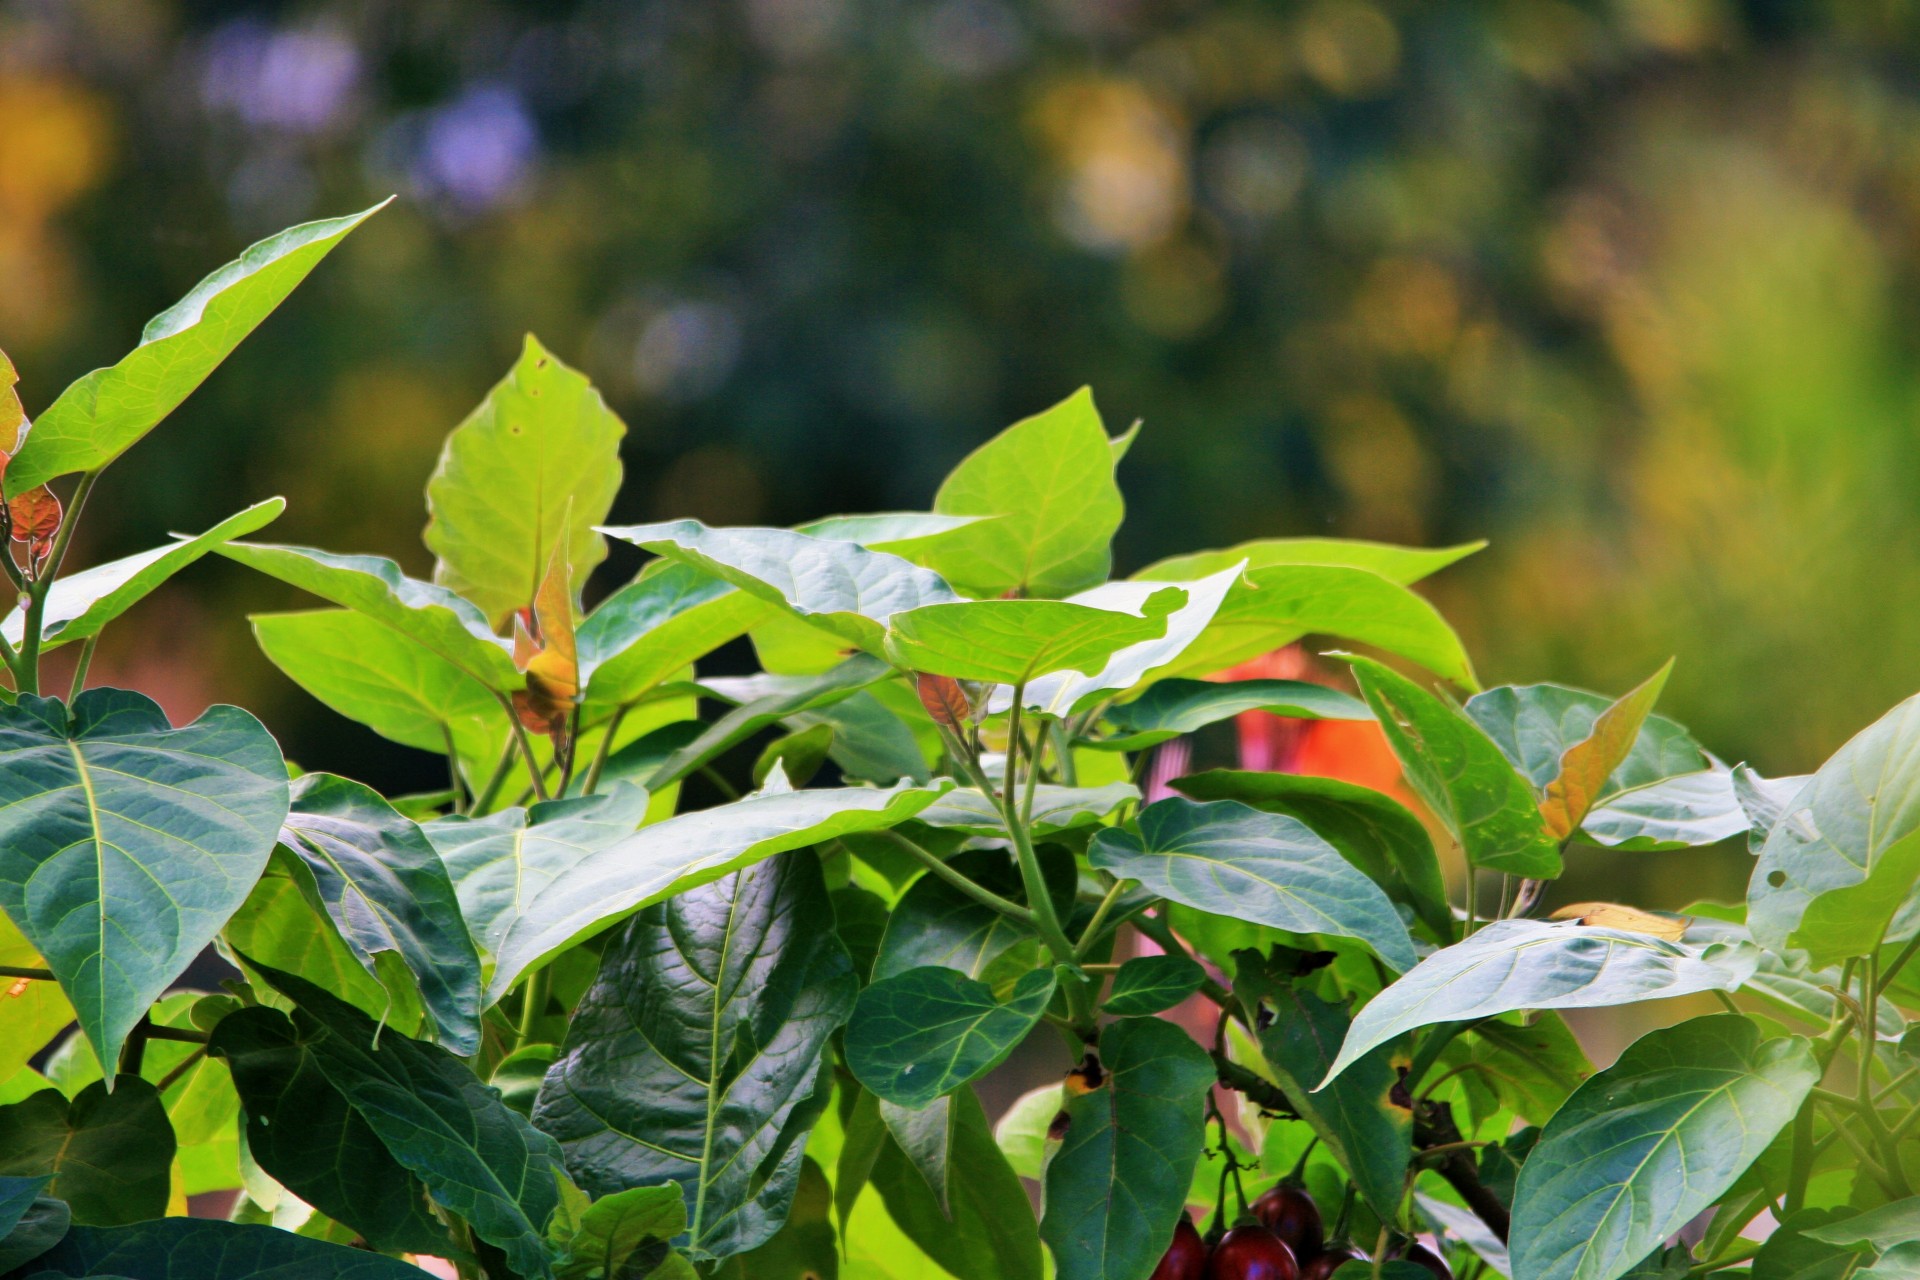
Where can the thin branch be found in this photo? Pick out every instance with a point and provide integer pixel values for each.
(979, 893)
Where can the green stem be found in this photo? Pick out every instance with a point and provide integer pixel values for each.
(533, 1003)
(573, 751)
(979, 893)
(491, 792)
(1898, 963)
(186, 1064)
(525, 744)
(1063, 754)
(457, 783)
(79, 685)
(604, 750)
(19, 971)
(27, 673)
(1045, 919)
(1473, 893)
(1090, 936)
(719, 781)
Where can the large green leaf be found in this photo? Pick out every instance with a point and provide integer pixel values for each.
(919, 1035)
(98, 417)
(502, 863)
(1266, 868)
(388, 892)
(30, 1223)
(208, 1249)
(537, 462)
(1644, 1146)
(1535, 724)
(1681, 812)
(1372, 831)
(766, 700)
(1788, 980)
(1461, 775)
(1280, 604)
(1542, 964)
(1119, 1180)
(1049, 481)
(694, 1058)
(1837, 874)
(1356, 1116)
(400, 689)
(125, 843)
(1764, 801)
(81, 604)
(650, 630)
(1881, 1228)
(806, 1248)
(936, 924)
(426, 614)
(1012, 641)
(1404, 565)
(108, 1153)
(987, 1232)
(478, 1157)
(682, 853)
(1149, 984)
(1055, 809)
(623, 1235)
(838, 586)
(303, 1132)
(1174, 707)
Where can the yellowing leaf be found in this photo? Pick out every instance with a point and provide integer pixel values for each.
(1586, 765)
(546, 652)
(1611, 915)
(13, 415)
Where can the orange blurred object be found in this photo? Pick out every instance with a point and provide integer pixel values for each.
(1350, 750)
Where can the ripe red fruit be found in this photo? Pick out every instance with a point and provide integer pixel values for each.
(1321, 1266)
(1186, 1257)
(1289, 1212)
(1252, 1253)
(1431, 1261)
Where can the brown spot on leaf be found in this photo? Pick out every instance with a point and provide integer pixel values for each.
(1058, 1126)
(1086, 1077)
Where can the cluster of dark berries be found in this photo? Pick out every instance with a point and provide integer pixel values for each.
(1282, 1239)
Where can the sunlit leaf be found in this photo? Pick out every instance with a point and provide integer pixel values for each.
(1012, 641)
(1055, 809)
(1612, 915)
(1681, 812)
(651, 629)
(1404, 565)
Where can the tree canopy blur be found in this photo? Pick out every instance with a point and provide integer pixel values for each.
(1625, 287)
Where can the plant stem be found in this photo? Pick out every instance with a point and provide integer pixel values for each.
(1473, 893)
(719, 781)
(525, 744)
(186, 1064)
(456, 783)
(1090, 936)
(604, 750)
(79, 684)
(979, 893)
(185, 1035)
(27, 674)
(19, 971)
(533, 1003)
(491, 792)
(1045, 919)
(1898, 963)
(1063, 754)
(573, 750)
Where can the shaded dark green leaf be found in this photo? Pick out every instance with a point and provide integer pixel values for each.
(1148, 984)
(624, 1236)
(30, 1223)
(923, 1033)
(208, 1249)
(108, 1154)
(1173, 707)
(989, 1233)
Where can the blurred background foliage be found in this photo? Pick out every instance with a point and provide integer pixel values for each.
(1626, 286)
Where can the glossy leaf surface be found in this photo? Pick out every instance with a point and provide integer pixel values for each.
(1012, 641)
(1148, 984)
(919, 1035)
(1403, 565)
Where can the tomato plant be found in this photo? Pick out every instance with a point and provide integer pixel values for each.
(558, 1021)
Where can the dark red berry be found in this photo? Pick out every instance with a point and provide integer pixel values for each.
(1186, 1257)
(1252, 1253)
(1427, 1258)
(1289, 1212)
(1323, 1264)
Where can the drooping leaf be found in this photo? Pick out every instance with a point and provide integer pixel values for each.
(1055, 809)
(1465, 1226)
(1648, 1143)
(1461, 775)
(868, 741)
(1404, 565)
(1119, 1180)
(1173, 707)
(1837, 874)
(925, 1139)
(1680, 812)
(1586, 768)
(626, 1234)
(478, 1157)
(108, 1154)
(1049, 482)
(1881, 1228)
(921, 1034)
(537, 463)
(840, 587)
(388, 892)
(694, 1057)
(682, 853)
(125, 843)
(1535, 725)
(98, 417)
(1356, 1117)
(303, 1132)
(1012, 641)
(1539, 964)
(804, 1249)
(1233, 860)
(944, 700)
(651, 629)
(30, 1223)
(990, 1232)
(1149, 984)
(1787, 980)
(208, 1249)
(904, 533)
(81, 604)
(1372, 831)
(762, 701)
(430, 616)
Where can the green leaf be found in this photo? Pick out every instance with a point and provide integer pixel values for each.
(1644, 1146)
(208, 1249)
(1149, 984)
(1763, 801)
(804, 1249)
(1266, 868)
(108, 1153)
(1461, 775)
(1049, 480)
(1792, 1253)
(1902, 1262)
(869, 741)
(767, 700)
(81, 604)
(430, 616)
(1837, 874)
(694, 1057)
(990, 1233)
(650, 630)
(125, 844)
(1535, 725)
(625, 1234)
(1022, 1132)
(1055, 809)
(840, 587)
(1542, 964)
(1404, 565)
(925, 1138)
(1174, 707)
(1012, 641)
(921, 1034)
(502, 864)
(403, 691)
(905, 533)
(1280, 604)
(388, 891)
(1118, 1182)
(683, 853)
(1356, 1117)
(1881, 1228)
(1586, 768)
(1682, 812)
(1529, 1070)
(537, 462)
(302, 1131)
(30, 1223)
(37, 1014)
(1372, 831)
(478, 1158)
(98, 417)
(936, 924)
